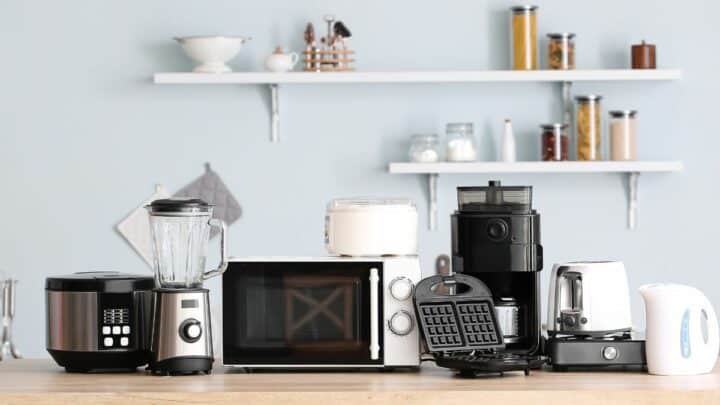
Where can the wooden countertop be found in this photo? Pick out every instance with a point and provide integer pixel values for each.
(41, 381)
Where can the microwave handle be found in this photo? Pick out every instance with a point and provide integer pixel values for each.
(374, 312)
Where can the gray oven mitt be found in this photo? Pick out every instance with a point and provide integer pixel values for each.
(210, 188)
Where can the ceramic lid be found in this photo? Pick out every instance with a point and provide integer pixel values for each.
(370, 203)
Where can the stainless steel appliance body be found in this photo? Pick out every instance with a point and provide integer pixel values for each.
(99, 320)
(7, 293)
(182, 337)
(320, 312)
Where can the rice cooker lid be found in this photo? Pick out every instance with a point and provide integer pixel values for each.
(367, 204)
(100, 281)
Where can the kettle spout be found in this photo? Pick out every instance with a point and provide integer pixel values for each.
(645, 290)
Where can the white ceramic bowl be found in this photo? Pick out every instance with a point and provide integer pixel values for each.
(212, 52)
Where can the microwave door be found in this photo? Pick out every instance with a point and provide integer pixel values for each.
(302, 314)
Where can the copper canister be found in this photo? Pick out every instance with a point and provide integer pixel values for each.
(643, 56)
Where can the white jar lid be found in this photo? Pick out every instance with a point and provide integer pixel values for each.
(360, 204)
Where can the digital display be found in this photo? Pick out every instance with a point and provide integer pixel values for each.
(189, 303)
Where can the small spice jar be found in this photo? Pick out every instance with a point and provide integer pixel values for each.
(643, 56)
(623, 135)
(554, 142)
(460, 142)
(561, 51)
(424, 148)
(588, 127)
(523, 26)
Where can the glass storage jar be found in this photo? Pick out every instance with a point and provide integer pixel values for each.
(523, 31)
(561, 51)
(588, 128)
(555, 142)
(623, 135)
(424, 148)
(460, 142)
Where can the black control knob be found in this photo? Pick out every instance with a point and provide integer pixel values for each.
(569, 321)
(190, 330)
(497, 229)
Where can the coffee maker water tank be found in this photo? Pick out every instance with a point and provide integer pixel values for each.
(496, 229)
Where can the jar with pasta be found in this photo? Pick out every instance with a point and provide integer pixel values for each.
(523, 27)
(588, 129)
(561, 51)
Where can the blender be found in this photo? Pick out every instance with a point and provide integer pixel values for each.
(181, 335)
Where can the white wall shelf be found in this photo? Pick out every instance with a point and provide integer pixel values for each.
(631, 170)
(274, 80)
(460, 76)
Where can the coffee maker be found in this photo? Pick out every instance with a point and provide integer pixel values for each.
(496, 238)
(181, 334)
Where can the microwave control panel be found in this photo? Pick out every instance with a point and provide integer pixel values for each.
(401, 338)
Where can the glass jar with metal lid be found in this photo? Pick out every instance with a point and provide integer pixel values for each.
(461, 145)
(561, 51)
(623, 135)
(554, 142)
(588, 127)
(424, 148)
(523, 31)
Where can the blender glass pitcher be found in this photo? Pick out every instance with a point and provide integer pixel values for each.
(180, 229)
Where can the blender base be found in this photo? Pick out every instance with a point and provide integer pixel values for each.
(182, 366)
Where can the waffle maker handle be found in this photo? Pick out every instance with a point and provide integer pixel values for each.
(427, 289)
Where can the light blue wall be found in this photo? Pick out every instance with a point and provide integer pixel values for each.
(85, 135)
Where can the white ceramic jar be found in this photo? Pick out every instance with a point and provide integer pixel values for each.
(281, 62)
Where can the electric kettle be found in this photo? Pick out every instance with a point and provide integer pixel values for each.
(681, 330)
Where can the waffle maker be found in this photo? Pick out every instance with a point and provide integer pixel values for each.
(460, 328)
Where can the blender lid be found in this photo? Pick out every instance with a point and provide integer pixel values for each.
(100, 281)
(179, 206)
(495, 198)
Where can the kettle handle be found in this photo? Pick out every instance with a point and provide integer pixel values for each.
(223, 250)
(713, 332)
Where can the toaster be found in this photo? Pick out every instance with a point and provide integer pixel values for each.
(588, 299)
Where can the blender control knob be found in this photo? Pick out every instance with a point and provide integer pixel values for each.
(190, 330)
(401, 288)
(401, 323)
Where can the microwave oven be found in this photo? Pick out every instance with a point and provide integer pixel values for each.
(323, 312)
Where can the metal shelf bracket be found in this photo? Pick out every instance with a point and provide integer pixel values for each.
(632, 199)
(432, 198)
(275, 113)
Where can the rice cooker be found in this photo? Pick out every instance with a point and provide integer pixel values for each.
(99, 320)
(371, 227)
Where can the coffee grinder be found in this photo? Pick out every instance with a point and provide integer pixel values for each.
(181, 335)
(496, 238)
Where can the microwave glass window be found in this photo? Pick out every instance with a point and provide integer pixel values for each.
(296, 313)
